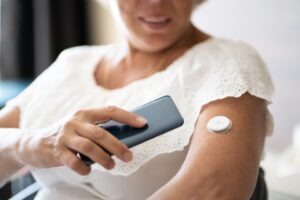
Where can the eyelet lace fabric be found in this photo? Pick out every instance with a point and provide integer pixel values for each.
(212, 72)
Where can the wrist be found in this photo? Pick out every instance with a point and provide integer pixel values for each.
(20, 148)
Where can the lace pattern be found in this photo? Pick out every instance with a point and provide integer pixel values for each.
(230, 74)
(208, 72)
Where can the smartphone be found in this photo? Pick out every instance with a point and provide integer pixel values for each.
(162, 116)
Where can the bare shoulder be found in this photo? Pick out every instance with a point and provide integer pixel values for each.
(230, 105)
(222, 161)
(248, 116)
(246, 110)
(9, 117)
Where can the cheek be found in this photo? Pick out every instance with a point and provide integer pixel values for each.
(126, 9)
(127, 14)
(179, 10)
(184, 11)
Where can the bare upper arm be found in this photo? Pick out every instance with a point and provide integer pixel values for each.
(248, 115)
(230, 158)
(9, 117)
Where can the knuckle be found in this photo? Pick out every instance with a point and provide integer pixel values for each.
(86, 147)
(80, 113)
(99, 133)
(69, 125)
(110, 109)
(94, 131)
(60, 140)
(73, 162)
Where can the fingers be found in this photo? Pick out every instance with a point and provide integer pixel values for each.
(104, 139)
(80, 134)
(112, 113)
(91, 150)
(69, 159)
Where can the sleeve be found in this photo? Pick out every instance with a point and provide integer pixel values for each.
(233, 69)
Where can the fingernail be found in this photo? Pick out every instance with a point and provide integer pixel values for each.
(142, 120)
(127, 156)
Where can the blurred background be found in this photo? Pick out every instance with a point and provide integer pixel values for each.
(273, 28)
(33, 32)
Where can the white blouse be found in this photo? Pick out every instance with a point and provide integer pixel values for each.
(211, 70)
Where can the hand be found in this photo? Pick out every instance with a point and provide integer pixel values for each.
(58, 145)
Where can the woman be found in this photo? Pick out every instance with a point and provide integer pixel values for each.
(163, 54)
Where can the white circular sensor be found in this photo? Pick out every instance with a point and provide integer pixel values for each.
(219, 124)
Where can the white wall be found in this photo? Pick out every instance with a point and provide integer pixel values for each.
(101, 24)
(273, 28)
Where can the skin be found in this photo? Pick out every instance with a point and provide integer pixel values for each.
(148, 48)
(153, 41)
(217, 166)
(222, 166)
(56, 145)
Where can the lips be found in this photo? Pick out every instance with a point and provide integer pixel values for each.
(155, 22)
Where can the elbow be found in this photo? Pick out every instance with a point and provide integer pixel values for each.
(220, 192)
(220, 185)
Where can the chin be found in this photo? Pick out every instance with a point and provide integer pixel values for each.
(150, 48)
(153, 45)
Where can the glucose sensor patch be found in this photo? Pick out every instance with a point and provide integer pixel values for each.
(219, 124)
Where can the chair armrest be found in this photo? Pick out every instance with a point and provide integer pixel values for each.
(27, 193)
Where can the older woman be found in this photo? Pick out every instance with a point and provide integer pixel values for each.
(164, 53)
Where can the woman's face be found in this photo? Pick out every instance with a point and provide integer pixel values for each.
(153, 25)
